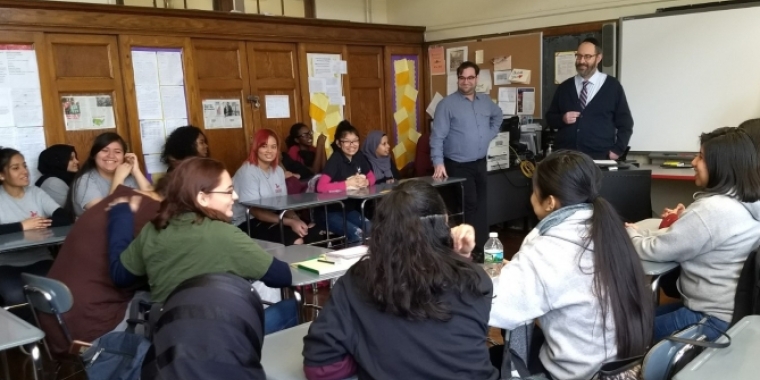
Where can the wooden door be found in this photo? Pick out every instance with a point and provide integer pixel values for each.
(366, 89)
(79, 65)
(221, 70)
(274, 71)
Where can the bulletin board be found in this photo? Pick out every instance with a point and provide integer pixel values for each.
(525, 50)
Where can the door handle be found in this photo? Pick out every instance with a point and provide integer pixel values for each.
(255, 100)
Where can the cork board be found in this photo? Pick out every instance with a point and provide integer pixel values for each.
(525, 50)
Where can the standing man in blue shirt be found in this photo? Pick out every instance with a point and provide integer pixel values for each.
(589, 111)
(464, 124)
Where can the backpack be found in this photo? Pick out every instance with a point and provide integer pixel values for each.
(117, 355)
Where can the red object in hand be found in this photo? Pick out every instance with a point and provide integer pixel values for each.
(668, 220)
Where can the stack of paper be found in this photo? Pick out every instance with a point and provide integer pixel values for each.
(352, 253)
(323, 266)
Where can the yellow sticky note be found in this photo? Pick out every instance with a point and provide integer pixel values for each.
(399, 153)
(400, 115)
(316, 113)
(320, 100)
(332, 119)
(330, 135)
(413, 135)
(403, 127)
(321, 129)
(409, 146)
(410, 92)
(408, 104)
(332, 108)
(402, 79)
(401, 66)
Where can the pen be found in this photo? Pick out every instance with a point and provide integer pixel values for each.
(325, 261)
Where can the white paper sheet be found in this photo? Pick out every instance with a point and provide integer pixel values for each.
(508, 108)
(507, 94)
(148, 102)
(451, 84)
(173, 102)
(501, 78)
(6, 108)
(484, 81)
(152, 136)
(170, 68)
(3, 69)
(153, 164)
(171, 124)
(22, 69)
(433, 104)
(317, 85)
(564, 66)
(526, 100)
(31, 142)
(222, 113)
(322, 66)
(88, 112)
(339, 67)
(27, 107)
(277, 106)
(145, 68)
(502, 63)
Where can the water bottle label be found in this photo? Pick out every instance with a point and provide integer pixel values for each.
(496, 256)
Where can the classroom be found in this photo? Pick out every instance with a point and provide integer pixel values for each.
(379, 189)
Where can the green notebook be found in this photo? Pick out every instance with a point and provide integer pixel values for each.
(320, 268)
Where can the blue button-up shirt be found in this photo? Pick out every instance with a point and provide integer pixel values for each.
(463, 128)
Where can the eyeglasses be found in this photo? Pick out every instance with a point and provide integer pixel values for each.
(310, 133)
(228, 192)
(346, 142)
(468, 78)
(584, 57)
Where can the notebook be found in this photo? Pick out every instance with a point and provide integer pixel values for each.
(320, 267)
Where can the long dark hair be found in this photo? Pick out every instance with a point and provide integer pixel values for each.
(573, 178)
(292, 139)
(192, 176)
(344, 128)
(731, 159)
(100, 142)
(752, 128)
(181, 144)
(407, 278)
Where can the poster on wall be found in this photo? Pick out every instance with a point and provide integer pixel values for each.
(326, 99)
(437, 60)
(81, 112)
(222, 113)
(564, 66)
(455, 57)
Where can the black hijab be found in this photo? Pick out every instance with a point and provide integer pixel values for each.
(54, 162)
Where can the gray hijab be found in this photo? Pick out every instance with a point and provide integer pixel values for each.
(381, 166)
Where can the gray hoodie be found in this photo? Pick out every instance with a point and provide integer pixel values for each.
(551, 279)
(710, 240)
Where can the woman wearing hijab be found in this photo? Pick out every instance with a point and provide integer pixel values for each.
(58, 165)
(378, 153)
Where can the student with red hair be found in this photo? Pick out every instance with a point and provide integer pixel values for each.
(260, 177)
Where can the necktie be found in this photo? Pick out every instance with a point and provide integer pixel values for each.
(584, 94)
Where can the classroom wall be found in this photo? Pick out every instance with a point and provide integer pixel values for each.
(354, 10)
(449, 19)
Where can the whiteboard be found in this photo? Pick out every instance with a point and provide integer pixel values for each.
(686, 74)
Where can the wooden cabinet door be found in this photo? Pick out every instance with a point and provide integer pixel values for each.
(274, 70)
(221, 69)
(80, 64)
(366, 89)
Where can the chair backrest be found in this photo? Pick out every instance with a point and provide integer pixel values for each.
(662, 356)
(47, 295)
(747, 296)
(312, 186)
(629, 192)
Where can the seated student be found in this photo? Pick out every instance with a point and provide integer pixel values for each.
(28, 209)
(347, 169)
(302, 150)
(58, 165)
(82, 264)
(260, 177)
(191, 235)
(712, 237)
(378, 152)
(413, 309)
(577, 273)
(108, 166)
(423, 165)
(184, 142)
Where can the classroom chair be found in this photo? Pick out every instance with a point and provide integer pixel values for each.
(661, 358)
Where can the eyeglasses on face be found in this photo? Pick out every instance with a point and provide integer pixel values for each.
(585, 57)
(228, 192)
(347, 142)
(309, 133)
(467, 78)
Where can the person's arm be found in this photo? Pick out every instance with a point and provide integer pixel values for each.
(120, 236)
(253, 262)
(521, 295)
(554, 114)
(61, 218)
(324, 348)
(441, 125)
(56, 189)
(623, 123)
(278, 275)
(51, 209)
(688, 237)
(10, 228)
(142, 182)
(293, 153)
(371, 178)
(325, 185)
(497, 116)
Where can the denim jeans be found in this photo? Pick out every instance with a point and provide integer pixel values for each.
(280, 316)
(675, 317)
(353, 223)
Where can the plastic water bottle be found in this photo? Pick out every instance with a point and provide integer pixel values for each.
(494, 254)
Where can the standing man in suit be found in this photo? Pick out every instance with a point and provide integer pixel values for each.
(464, 124)
(589, 111)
